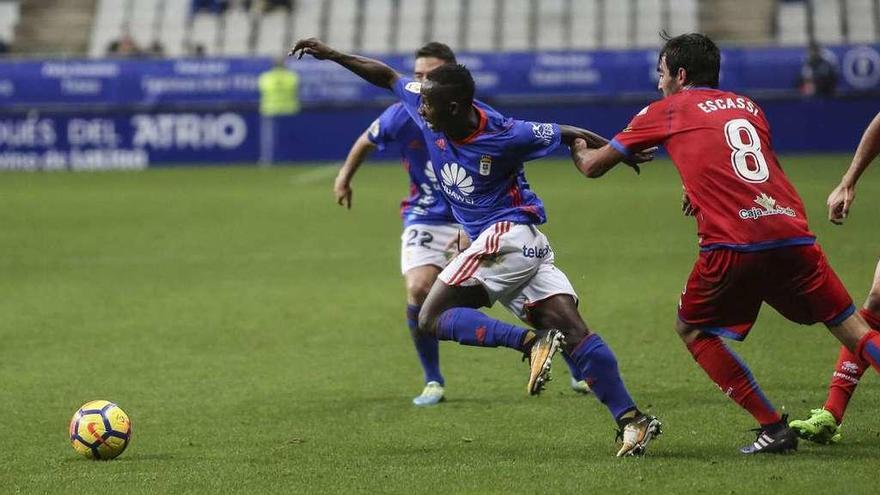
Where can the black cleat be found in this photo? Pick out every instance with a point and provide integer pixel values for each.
(783, 441)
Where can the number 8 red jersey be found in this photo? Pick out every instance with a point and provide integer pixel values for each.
(720, 143)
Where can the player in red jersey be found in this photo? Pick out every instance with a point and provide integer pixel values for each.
(823, 425)
(755, 245)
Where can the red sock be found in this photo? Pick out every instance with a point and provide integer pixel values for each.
(872, 319)
(868, 349)
(847, 372)
(733, 377)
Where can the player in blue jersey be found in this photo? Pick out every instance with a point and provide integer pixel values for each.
(477, 155)
(431, 234)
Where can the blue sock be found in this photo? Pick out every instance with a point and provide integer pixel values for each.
(427, 346)
(470, 327)
(599, 368)
(572, 366)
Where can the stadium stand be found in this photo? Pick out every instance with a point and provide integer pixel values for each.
(376, 26)
(411, 24)
(10, 14)
(239, 28)
(514, 20)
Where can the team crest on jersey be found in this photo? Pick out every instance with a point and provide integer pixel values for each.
(441, 143)
(768, 208)
(544, 132)
(413, 87)
(485, 165)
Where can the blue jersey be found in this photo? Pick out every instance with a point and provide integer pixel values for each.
(482, 175)
(425, 203)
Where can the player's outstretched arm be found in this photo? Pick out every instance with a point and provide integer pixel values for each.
(842, 197)
(568, 133)
(372, 71)
(356, 156)
(593, 141)
(594, 163)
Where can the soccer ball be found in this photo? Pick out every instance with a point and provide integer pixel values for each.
(100, 430)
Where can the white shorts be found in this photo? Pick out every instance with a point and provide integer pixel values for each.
(514, 263)
(427, 244)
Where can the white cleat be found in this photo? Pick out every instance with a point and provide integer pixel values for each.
(580, 386)
(431, 395)
(637, 434)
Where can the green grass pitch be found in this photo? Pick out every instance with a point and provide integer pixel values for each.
(254, 331)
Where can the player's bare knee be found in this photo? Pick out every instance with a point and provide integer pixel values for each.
(686, 333)
(872, 303)
(428, 321)
(417, 291)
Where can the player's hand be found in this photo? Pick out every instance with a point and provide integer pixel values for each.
(342, 191)
(640, 157)
(839, 202)
(459, 243)
(687, 207)
(313, 47)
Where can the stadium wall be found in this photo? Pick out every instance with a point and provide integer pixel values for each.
(134, 114)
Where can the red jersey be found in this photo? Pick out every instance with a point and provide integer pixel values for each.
(720, 144)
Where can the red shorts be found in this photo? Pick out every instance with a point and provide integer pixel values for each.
(726, 288)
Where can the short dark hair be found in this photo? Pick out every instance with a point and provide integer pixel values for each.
(437, 50)
(454, 80)
(696, 54)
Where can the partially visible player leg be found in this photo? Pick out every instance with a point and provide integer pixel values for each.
(723, 297)
(418, 282)
(734, 378)
(598, 365)
(449, 313)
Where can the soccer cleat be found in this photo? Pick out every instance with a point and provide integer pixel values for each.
(781, 442)
(637, 434)
(540, 356)
(820, 427)
(580, 386)
(431, 395)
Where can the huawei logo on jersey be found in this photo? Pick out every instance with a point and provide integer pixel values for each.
(456, 182)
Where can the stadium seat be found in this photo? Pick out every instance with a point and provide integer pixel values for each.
(861, 22)
(552, 19)
(173, 27)
(341, 31)
(305, 20)
(10, 14)
(616, 20)
(482, 26)
(515, 25)
(584, 25)
(236, 33)
(205, 30)
(142, 21)
(791, 23)
(684, 17)
(827, 22)
(376, 26)
(411, 25)
(649, 23)
(272, 38)
(446, 24)
(110, 18)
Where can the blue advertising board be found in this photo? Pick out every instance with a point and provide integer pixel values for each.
(126, 141)
(511, 76)
(89, 114)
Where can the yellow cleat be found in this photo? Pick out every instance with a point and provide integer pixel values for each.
(540, 356)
